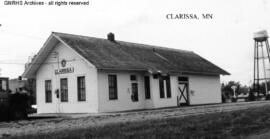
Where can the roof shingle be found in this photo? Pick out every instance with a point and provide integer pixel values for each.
(105, 54)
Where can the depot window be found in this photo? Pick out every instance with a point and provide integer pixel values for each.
(81, 88)
(164, 86)
(64, 89)
(48, 91)
(112, 79)
(147, 87)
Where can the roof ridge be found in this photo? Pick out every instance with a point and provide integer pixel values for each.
(76, 35)
(156, 46)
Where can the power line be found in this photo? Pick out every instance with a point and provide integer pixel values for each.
(19, 63)
(23, 35)
(12, 63)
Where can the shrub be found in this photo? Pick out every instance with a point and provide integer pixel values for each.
(15, 108)
(251, 97)
(18, 106)
(4, 116)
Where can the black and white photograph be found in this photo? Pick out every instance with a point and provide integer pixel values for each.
(185, 69)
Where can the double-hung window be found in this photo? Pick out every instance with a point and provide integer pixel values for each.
(164, 86)
(134, 88)
(112, 79)
(147, 87)
(81, 88)
(64, 89)
(48, 91)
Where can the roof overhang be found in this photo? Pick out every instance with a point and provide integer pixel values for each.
(162, 72)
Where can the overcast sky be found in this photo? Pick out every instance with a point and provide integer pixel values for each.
(225, 40)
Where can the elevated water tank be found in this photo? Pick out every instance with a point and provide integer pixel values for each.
(260, 35)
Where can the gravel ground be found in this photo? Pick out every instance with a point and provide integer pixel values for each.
(71, 121)
(263, 135)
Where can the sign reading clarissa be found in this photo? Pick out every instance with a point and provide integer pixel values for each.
(64, 70)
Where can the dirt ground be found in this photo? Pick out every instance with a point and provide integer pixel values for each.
(261, 135)
(71, 121)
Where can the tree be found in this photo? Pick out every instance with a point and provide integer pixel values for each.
(227, 91)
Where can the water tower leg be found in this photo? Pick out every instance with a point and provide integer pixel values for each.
(264, 72)
(258, 73)
(268, 54)
(254, 71)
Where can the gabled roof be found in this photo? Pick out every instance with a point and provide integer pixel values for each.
(120, 55)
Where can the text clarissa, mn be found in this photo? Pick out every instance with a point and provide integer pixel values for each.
(189, 16)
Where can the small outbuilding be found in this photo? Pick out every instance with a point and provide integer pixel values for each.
(80, 74)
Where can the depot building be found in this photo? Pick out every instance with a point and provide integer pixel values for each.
(80, 74)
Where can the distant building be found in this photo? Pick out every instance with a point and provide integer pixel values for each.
(23, 86)
(79, 74)
(16, 85)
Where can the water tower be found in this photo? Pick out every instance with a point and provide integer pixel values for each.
(261, 61)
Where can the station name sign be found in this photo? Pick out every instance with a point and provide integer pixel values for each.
(64, 71)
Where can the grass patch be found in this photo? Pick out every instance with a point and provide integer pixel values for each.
(218, 125)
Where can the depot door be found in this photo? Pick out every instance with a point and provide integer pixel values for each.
(183, 91)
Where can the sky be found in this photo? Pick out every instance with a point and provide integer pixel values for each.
(226, 40)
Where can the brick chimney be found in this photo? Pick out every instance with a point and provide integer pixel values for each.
(110, 37)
